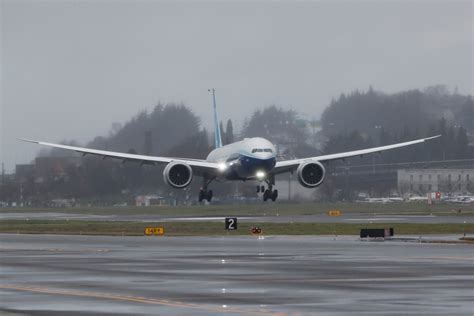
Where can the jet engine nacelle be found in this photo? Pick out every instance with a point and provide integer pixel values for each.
(178, 174)
(311, 174)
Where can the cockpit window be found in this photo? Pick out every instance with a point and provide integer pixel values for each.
(261, 150)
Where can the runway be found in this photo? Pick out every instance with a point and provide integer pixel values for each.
(89, 275)
(320, 218)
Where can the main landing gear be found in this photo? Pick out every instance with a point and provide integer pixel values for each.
(268, 193)
(205, 194)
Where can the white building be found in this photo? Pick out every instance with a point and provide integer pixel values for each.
(149, 200)
(293, 190)
(447, 181)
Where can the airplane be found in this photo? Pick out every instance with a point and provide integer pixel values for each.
(383, 200)
(461, 199)
(252, 159)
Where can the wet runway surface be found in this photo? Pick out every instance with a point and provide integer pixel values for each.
(88, 275)
(321, 218)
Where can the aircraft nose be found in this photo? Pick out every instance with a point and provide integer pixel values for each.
(268, 163)
(265, 155)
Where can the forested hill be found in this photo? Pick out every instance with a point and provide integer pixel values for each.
(353, 121)
(358, 120)
(415, 111)
(165, 126)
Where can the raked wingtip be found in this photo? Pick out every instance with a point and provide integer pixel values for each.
(28, 140)
(433, 137)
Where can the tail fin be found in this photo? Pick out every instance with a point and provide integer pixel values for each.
(217, 129)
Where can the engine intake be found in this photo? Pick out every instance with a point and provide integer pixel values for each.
(311, 174)
(178, 175)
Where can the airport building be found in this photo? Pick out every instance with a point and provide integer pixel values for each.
(151, 200)
(446, 181)
(290, 190)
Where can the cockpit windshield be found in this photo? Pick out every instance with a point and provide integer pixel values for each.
(261, 150)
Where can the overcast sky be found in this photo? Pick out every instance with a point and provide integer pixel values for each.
(69, 69)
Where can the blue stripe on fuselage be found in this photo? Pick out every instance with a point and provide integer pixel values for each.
(245, 167)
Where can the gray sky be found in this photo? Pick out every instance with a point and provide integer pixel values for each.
(69, 69)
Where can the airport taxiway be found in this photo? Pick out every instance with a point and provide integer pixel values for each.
(89, 275)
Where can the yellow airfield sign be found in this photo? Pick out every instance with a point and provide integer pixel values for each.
(334, 213)
(158, 231)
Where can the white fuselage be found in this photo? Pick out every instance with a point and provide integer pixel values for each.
(251, 158)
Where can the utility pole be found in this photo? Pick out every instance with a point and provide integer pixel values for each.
(21, 194)
(373, 164)
(289, 185)
(2, 185)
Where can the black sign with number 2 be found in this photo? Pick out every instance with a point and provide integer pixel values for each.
(231, 223)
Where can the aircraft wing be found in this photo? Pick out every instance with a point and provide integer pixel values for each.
(200, 166)
(290, 165)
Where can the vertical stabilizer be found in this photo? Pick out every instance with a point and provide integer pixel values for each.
(217, 129)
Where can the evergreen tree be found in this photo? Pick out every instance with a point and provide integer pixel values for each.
(462, 142)
(229, 132)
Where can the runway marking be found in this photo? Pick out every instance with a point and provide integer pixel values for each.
(57, 250)
(420, 258)
(201, 218)
(127, 298)
(375, 279)
(376, 219)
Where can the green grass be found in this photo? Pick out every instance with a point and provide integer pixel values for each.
(217, 229)
(269, 209)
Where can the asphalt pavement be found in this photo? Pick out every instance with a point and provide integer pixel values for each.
(90, 275)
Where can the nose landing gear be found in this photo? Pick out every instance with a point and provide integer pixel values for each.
(268, 193)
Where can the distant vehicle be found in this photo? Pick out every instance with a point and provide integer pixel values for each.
(377, 200)
(382, 200)
(418, 199)
(466, 199)
(249, 159)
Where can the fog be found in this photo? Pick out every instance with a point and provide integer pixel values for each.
(71, 69)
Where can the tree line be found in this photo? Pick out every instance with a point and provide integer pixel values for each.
(353, 121)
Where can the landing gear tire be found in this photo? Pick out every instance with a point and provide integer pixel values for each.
(274, 195)
(258, 189)
(270, 194)
(205, 195)
(266, 195)
(209, 196)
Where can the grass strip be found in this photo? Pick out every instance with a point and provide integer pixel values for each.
(77, 227)
(269, 209)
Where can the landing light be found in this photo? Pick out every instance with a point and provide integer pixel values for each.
(222, 166)
(260, 174)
